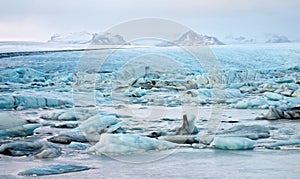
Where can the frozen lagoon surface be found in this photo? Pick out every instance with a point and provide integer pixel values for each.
(256, 76)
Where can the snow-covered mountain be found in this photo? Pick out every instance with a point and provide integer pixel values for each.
(72, 38)
(267, 38)
(193, 38)
(239, 40)
(86, 38)
(274, 38)
(108, 39)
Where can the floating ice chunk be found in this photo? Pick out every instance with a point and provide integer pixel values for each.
(38, 101)
(205, 93)
(51, 102)
(242, 105)
(216, 93)
(287, 93)
(90, 130)
(67, 116)
(202, 80)
(93, 127)
(53, 169)
(297, 136)
(180, 139)
(78, 145)
(30, 101)
(281, 113)
(233, 93)
(233, 143)
(66, 125)
(191, 93)
(68, 137)
(273, 96)
(284, 80)
(22, 75)
(127, 143)
(296, 93)
(7, 101)
(190, 83)
(287, 131)
(290, 86)
(235, 85)
(11, 126)
(282, 144)
(36, 148)
(139, 92)
(247, 89)
(51, 116)
(188, 127)
(257, 102)
(8, 121)
(251, 131)
(270, 86)
(19, 131)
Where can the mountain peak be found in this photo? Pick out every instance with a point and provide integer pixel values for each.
(86, 38)
(278, 39)
(193, 38)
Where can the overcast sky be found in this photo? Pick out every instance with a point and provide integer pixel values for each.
(37, 20)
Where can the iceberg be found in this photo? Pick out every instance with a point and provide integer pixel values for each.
(22, 75)
(283, 144)
(78, 145)
(93, 127)
(180, 139)
(257, 102)
(7, 101)
(53, 169)
(232, 143)
(19, 131)
(188, 127)
(19, 101)
(220, 94)
(30, 101)
(252, 131)
(273, 96)
(11, 126)
(139, 92)
(90, 130)
(69, 115)
(281, 113)
(36, 148)
(112, 144)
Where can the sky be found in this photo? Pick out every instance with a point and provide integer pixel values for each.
(37, 20)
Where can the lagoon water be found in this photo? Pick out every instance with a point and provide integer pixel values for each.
(252, 78)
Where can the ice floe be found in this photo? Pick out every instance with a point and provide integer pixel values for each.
(11, 126)
(114, 144)
(233, 143)
(53, 169)
(39, 149)
(249, 131)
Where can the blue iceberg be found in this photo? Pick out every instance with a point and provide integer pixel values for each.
(233, 143)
